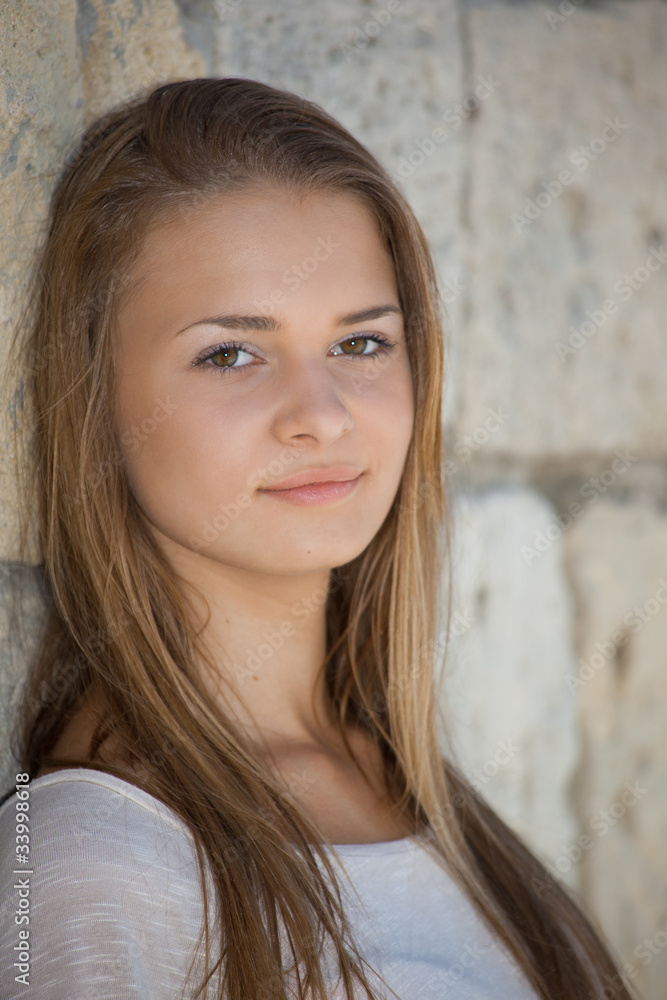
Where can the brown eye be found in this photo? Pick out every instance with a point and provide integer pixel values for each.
(226, 358)
(355, 346)
(358, 344)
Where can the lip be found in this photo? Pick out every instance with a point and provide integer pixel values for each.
(315, 494)
(317, 474)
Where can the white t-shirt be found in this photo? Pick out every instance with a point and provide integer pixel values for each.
(115, 907)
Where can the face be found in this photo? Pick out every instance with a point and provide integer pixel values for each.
(214, 409)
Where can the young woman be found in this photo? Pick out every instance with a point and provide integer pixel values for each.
(231, 782)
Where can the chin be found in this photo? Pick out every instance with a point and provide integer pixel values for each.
(298, 559)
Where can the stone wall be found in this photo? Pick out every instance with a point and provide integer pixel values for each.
(530, 139)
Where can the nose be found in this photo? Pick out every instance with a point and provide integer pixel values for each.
(311, 405)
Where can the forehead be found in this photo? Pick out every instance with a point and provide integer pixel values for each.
(271, 222)
(266, 242)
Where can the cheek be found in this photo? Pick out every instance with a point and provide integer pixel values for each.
(181, 453)
(185, 474)
(387, 405)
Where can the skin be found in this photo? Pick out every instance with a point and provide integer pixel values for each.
(222, 435)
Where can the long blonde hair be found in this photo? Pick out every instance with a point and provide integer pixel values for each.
(117, 622)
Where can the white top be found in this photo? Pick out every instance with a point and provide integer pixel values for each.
(115, 907)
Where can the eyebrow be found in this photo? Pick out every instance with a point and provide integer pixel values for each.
(270, 323)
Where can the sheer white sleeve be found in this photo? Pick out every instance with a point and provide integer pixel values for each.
(112, 886)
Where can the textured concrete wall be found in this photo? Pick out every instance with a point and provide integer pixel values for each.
(530, 139)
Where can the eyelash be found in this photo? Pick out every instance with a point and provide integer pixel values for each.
(201, 359)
